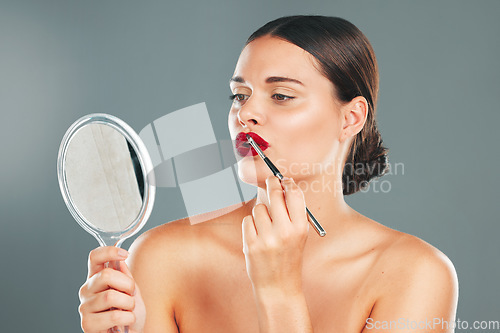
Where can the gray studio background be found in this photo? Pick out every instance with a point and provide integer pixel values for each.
(139, 60)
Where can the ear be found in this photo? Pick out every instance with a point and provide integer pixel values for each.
(354, 117)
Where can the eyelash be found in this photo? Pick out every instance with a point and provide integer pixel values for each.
(286, 97)
(233, 97)
(283, 97)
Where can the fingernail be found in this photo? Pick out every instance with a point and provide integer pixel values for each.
(123, 253)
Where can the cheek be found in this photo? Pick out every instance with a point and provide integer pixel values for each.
(315, 130)
(311, 141)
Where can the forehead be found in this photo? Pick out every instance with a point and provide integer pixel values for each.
(270, 56)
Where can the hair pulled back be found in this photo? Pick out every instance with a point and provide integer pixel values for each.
(346, 58)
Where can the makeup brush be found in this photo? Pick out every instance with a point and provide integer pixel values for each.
(319, 229)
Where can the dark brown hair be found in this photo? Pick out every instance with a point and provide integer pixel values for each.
(346, 58)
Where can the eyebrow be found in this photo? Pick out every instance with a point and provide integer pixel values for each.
(271, 79)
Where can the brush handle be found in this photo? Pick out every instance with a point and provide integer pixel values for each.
(273, 168)
(319, 229)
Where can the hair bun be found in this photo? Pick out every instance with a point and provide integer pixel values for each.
(370, 161)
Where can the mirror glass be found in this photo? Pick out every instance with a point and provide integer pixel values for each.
(105, 174)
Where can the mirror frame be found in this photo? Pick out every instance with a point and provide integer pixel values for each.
(109, 238)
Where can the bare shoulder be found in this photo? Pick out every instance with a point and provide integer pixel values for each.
(160, 242)
(170, 244)
(407, 262)
(175, 245)
(419, 258)
(154, 260)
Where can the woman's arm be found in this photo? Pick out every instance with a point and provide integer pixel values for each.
(282, 312)
(273, 244)
(150, 265)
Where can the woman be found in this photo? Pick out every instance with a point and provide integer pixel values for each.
(307, 86)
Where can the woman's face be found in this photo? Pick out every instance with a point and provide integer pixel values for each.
(281, 96)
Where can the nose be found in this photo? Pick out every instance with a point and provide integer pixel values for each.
(250, 114)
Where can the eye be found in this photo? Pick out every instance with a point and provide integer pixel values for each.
(238, 97)
(281, 97)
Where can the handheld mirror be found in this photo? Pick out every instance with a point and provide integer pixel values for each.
(106, 178)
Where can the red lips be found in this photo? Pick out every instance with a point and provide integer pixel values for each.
(243, 147)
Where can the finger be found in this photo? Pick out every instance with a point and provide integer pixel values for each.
(295, 202)
(102, 321)
(277, 206)
(109, 278)
(108, 299)
(124, 268)
(249, 233)
(101, 255)
(261, 219)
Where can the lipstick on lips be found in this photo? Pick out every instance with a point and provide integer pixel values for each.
(243, 147)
